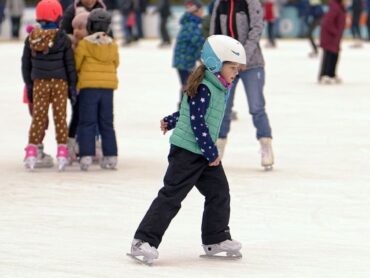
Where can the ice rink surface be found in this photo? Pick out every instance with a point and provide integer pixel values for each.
(309, 217)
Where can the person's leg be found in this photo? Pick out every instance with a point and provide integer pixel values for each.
(41, 100)
(88, 119)
(139, 25)
(127, 32)
(106, 127)
(72, 129)
(182, 174)
(16, 21)
(311, 28)
(334, 64)
(163, 28)
(331, 64)
(59, 96)
(254, 81)
(324, 64)
(215, 223)
(270, 33)
(368, 24)
(225, 125)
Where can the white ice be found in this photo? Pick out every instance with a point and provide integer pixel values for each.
(309, 217)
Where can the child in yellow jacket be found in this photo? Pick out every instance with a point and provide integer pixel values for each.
(97, 61)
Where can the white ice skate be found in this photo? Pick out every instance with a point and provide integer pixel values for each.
(85, 162)
(142, 252)
(108, 162)
(62, 157)
(228, 249)
(98, 151)
(72, 150)
(267, 156)
(31, 157)
(43, 160)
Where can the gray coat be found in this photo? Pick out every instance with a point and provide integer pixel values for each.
(247, 26)
(14, 8)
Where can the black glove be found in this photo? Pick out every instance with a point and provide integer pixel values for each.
(72, 94)
(30, 93)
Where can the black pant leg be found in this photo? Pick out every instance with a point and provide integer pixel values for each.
(182, 174)
(215, 223)
(311, 28)
(73, 124)
(163, 28)
(332, 64)
(16, 24)
(324, 63)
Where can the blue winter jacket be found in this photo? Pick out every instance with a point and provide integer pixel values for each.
(189, 42)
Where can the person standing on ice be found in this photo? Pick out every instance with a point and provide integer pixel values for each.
(97, 56)
(193, 158)
(332, 27)
(48, 70)
(243, 21)
(189, 42)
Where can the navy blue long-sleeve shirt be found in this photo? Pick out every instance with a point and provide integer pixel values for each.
(198, 107)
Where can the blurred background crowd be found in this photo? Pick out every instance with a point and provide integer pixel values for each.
(137, 19)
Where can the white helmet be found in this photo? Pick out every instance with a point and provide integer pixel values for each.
(220, 48)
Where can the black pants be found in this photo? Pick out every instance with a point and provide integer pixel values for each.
(368, 26)
(329, 64)
(271, 32)
(163, 29)
(16, 24)
(185, 170)
(355, 28)
(311, 28)
(73, 124)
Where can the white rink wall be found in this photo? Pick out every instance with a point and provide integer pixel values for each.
(309, 217)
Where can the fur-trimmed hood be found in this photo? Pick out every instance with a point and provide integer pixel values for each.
(78, 3)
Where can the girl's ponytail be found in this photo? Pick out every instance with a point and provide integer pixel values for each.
(194, 80)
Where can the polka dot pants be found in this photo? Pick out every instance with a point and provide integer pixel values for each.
(46, 92)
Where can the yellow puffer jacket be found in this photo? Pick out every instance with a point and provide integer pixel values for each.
(97, 60)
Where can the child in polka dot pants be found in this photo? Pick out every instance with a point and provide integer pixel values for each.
(48, 70)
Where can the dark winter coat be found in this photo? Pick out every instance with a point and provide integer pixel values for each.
(69, 14)
(332, 27)
(188, 43)
(48, 54)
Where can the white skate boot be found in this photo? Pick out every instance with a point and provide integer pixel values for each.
(108, 162)
(221, 144)
(72, 150)
(142, 249)
(62, 157)
(85, 162)
(43, 160)
(267, 156)
(98, 151)
(230, 247)
(31, 157)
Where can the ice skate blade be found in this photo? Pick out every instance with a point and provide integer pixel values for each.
(148, 263)
(223, 257)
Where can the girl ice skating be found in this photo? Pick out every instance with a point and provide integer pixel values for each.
(193, 158)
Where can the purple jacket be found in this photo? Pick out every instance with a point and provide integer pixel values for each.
(332, 26)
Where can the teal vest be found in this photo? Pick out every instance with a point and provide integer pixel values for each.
(183, 135)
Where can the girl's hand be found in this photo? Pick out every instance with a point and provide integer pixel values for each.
(164, 127)
(216, 162)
